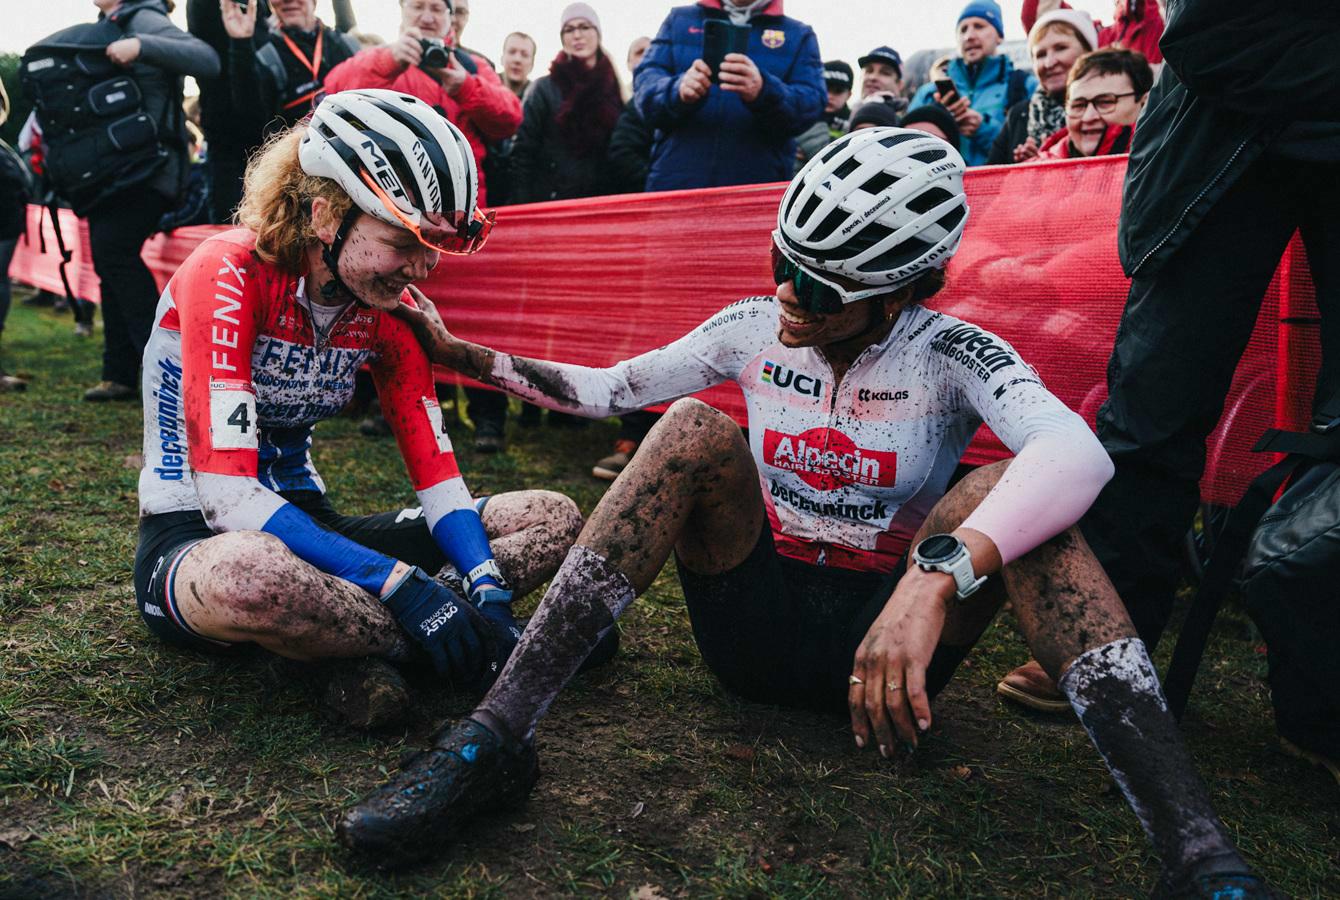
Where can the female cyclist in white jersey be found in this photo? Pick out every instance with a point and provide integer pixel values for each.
(823, 562)
(257, 338)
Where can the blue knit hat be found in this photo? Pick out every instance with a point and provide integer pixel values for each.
(984, 9)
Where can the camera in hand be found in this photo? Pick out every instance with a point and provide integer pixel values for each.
(434, 54)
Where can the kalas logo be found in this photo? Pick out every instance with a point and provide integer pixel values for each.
(783, 377)
(827, 459)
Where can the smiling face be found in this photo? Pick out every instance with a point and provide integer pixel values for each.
(432, 18)
(879, 77)
(796, 327)
(299, 14)
(378, 261)
(977, 39)
(1086, 130)
(1054, 52)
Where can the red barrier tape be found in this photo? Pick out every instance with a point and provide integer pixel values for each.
(595, 281)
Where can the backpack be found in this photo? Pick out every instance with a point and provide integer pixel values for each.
(99, 139)
(1288, 551)
(1292, 595)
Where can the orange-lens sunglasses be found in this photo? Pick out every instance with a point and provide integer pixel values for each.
(478, 229)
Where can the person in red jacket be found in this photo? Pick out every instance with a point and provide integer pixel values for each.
(467, 90)
(1137, 25)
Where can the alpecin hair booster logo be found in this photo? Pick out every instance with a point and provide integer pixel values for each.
(827, 459)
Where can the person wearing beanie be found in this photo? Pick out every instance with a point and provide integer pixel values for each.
(985, 84)
(1056, 40)
(875, 114)
(936, 121)
(1136, 25)
(840, 81)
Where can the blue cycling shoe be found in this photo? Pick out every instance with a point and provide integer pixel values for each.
(470, 769)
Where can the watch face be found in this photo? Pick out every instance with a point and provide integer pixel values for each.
(938, 547)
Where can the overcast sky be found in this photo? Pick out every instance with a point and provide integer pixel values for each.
(847, 28)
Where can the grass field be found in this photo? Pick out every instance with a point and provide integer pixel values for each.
(130, 769)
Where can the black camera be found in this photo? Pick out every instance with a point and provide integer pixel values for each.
(434, 54)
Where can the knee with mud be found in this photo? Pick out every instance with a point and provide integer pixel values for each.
(256, 576)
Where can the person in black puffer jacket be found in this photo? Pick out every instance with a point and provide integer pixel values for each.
(563, 146)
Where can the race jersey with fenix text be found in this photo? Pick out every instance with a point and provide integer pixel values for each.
(236, 376)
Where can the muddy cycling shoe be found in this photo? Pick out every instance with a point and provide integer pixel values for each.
(470, 769)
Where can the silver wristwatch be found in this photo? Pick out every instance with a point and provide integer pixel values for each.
(946, 553)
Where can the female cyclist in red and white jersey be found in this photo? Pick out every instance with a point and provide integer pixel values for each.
(258, 336)
(824, 562)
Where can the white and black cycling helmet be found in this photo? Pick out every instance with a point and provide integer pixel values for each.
(879, 207)
(401, 161)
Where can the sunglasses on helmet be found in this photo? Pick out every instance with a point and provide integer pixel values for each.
(465, 235)
(813, 293)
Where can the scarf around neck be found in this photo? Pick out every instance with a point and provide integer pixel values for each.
(1045, 115)
(740, 15)
(592, 103)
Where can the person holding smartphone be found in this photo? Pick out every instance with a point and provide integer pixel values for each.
(981, 85)
(735, 123)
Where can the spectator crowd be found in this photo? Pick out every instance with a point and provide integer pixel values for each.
(574, 130)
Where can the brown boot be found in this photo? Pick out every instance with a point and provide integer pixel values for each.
(1030, 685)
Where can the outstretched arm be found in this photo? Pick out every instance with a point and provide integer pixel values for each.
(702, 358)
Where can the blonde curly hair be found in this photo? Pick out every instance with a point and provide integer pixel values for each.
(277, 201)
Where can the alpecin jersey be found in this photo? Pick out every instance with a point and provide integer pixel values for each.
(850, 470)
(235, 377)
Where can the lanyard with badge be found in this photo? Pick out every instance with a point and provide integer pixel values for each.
(311, 92)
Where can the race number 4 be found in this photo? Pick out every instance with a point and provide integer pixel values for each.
(232, 415)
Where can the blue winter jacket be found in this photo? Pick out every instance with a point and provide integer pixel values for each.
(722, 140)
(988, 91)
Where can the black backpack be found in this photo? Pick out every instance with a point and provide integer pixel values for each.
(97, 136)
(1288, 551)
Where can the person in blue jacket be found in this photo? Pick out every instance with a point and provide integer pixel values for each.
(986, 84)
(742, 128)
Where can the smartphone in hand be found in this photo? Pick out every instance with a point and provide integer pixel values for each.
(947, 90)
(721, 38)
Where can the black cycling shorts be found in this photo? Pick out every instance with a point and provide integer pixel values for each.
(165, 538)
(780, 631)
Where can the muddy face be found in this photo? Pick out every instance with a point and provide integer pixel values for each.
(378, 261)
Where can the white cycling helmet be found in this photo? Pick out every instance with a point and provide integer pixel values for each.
(401, 161)
(879, 206)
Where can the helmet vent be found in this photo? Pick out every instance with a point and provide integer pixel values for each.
(929, 156)
(846, 168)
(879, 182)
(833, 221)
(929, 199)
(896, 139)
(808, 210)
(949, 221)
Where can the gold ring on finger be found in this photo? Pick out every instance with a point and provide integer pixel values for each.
(894, 687)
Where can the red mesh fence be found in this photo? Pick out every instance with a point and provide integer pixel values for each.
(595, 281)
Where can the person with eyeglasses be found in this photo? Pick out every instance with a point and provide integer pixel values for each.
(825, 562)
(1105, 94)
(257, 338)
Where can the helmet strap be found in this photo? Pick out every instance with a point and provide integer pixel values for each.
(330, 255)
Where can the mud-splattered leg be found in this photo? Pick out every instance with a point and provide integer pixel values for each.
(692, 486)
(530, 533)
(1076, 624)
(248, 586)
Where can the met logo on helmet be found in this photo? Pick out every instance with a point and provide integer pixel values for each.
(383, 172)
